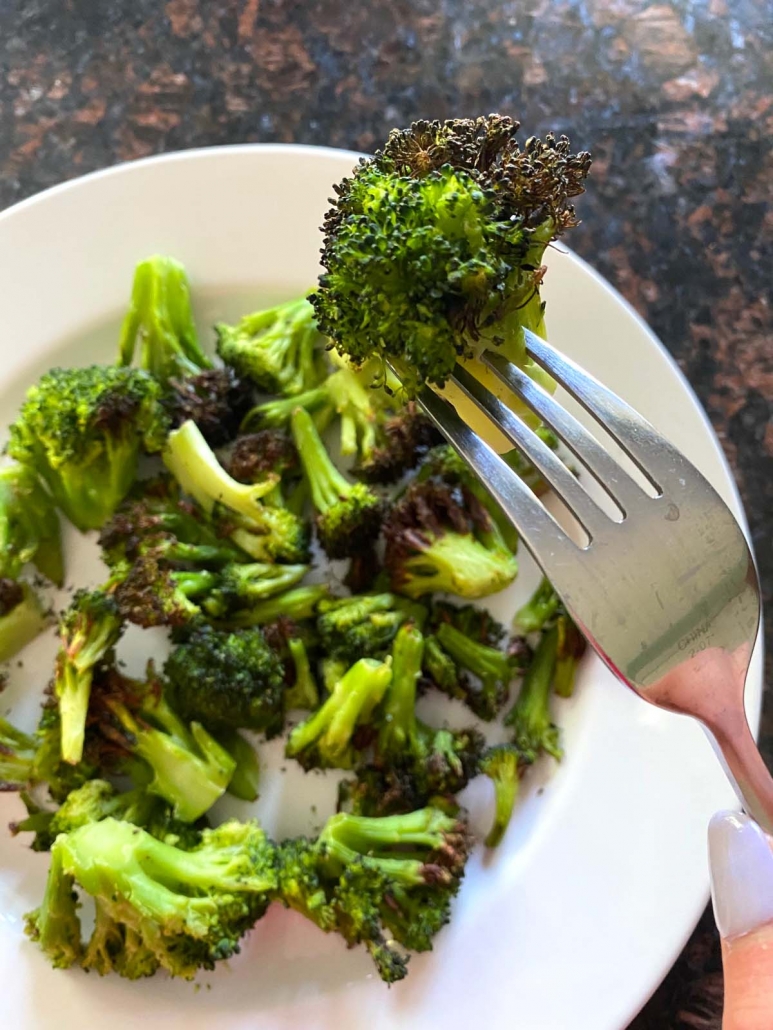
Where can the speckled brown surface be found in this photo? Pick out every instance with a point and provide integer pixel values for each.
(675, 100)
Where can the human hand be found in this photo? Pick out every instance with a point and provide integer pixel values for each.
(741, 860)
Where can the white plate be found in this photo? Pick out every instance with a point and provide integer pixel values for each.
(576, 918)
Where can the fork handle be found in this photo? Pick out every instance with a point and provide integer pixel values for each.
(745, 765)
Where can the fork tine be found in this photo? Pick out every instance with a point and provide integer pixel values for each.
(621, 487)
(638, 438)
(536, 526)
(566, 485)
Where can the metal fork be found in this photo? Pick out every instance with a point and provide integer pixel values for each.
(669, 596)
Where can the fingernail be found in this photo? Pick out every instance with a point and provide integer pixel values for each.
(741, 864)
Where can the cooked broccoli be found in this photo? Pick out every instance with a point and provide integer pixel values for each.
(89, 628)
(155, 519)
(149, 593)
(228, 680)
(238, 587)
(297, 604)
(502, 764)
(157, 906)
(303, 693)
(530, 719)
(246, 777)
(29, 526)
(22, 617)
(275, 413)
(160, 320)
(539, 609)
(348, 515)
(215, 399)
(491, 668)
(353, 627)
(267, 452)
(411, 763)
(402, 443)
(433, 249)
(324, 740)
(440, 538)
(179, 762)
(44, 756)
(82, 430)
(275, 348)
(17, 757)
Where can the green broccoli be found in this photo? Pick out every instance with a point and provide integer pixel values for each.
(402, 442)
(303, 693)
(532, 726)
(348, 515)
(433, 249)
(440, 538)
(29, 526)
(82, 430)
(228, 680)
(502, 764)
(539, 609)
(324, 740)
(157, 906)
(149, 593)
(17, 757)
(353, 627)
(246, 776)
(275, 413)
(22, 617)
(275, 348)
(238, 587)
(89, 628)
(146, 738)
(297, 604)
(543, 611)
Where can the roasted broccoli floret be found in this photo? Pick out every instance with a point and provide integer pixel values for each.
(246, 776)
(545, 610)
(352, 627)
(539, 609)
(502, 764)
(269, 452)
(157, 906)
(464, 645)
(29, 759)
(82, 430)
(180, 762)
(297, 604)
(348, 515)
(291, 642)
(89, 628)
(149, 593)
(324, 740)
(275, 413)
(238, 587)
(532, 726)
(228, 680)
(215, 399)
(22, 617)
(17, 757)
(433, 249)
(440, 538)
(29, 526)
(402, 442)
(155, 519)
(276, 349)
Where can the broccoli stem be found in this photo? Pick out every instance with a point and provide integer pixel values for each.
(331, 727)
(304, 692)
(457, 563)
(276, 413)
(55, 925)
(192, 462)
(529, 717)
(25, 621)
(485, 662)
(327, 484)
(540, 607)
(398, 730)
(17, 757)
(73, 688)
(297, 604)
(246, 777)
(190, 769)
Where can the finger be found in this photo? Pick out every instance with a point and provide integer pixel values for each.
(741, 863)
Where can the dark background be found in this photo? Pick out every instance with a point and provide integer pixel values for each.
(675, 101)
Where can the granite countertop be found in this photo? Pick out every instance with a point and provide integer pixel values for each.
(674, 99)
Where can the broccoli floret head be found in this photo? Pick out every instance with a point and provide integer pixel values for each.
(440, 538)
(402, 443)
(363, 625)
(502, 764)
(149, 593)
(82, 430)
(215, 399)
(238, 587)
(228, 680)
(267, 452)
(433, 248)
(275, 348)
(325, 739)
(348, 515)
(29, 526)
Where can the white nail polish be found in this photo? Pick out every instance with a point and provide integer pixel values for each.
(741, 863)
